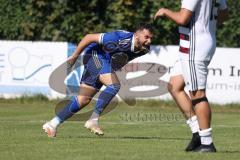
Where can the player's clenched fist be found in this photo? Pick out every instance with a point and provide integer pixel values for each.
(71, 61)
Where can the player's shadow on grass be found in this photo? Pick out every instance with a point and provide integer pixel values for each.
(132, 137)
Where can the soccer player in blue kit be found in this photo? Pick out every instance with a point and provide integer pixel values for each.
(99, 52)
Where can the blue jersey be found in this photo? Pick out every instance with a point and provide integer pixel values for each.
(111, 53)
(116, 43)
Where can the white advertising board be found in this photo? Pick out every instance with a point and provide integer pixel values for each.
(25, 68)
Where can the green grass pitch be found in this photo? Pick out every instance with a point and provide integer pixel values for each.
(150, 130)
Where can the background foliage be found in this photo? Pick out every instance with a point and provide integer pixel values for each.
(70, 20)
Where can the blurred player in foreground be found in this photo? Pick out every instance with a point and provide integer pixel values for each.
(99, 52)
(197, 20)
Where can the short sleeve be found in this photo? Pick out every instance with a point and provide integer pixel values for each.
(108, 37)
(190, 4)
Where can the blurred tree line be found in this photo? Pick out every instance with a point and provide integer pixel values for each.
(70, 20)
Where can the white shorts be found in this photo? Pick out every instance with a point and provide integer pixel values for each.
(194, 73)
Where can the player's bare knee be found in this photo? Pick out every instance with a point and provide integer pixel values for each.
(174, 89)
(84, 100)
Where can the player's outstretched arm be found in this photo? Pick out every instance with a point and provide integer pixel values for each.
(88, 39)
(181, 17)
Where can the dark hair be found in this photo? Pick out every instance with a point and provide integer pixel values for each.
(142, 26)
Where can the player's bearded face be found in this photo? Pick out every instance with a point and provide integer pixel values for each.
(144, 39)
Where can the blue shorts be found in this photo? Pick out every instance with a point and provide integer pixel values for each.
(95, 64)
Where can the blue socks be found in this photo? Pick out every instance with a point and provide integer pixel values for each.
(103, 100)
(72, 107)
(105, 97)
